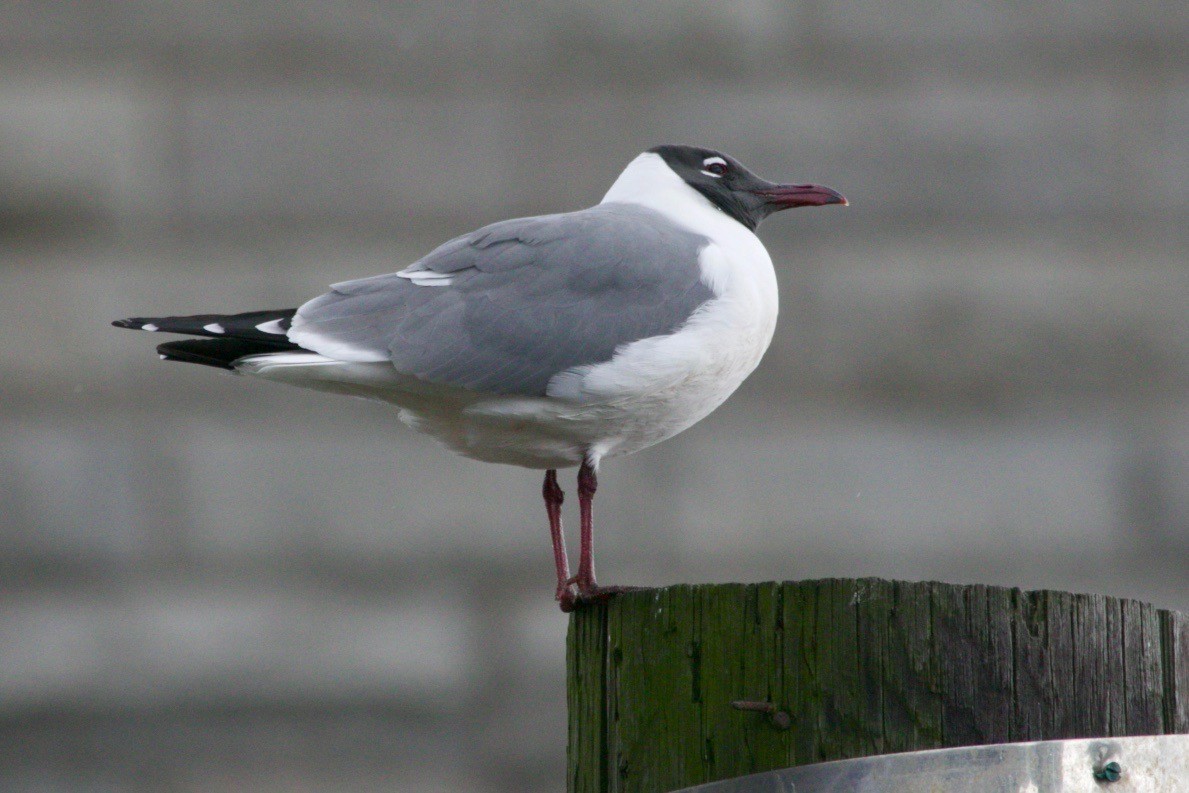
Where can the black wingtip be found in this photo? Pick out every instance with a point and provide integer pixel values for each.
(219, 353)
(200, 351)
(263, 326)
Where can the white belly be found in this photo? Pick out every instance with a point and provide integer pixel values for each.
(651, 390)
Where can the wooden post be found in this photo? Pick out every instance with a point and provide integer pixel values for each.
(841, 668)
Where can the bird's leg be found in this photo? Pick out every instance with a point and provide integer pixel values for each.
(553, 501)
(588, 483)
(588, 590)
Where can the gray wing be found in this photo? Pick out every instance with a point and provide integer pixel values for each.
(509, 306)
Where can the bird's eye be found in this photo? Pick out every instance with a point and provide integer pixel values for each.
(714, 166)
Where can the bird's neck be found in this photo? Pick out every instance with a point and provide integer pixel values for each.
(649, 182)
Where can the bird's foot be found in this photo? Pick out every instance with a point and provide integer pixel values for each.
(573, 595)
(567, 599)
(566, 596)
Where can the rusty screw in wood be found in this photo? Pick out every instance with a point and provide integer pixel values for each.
(779, 718)
(1111, 772)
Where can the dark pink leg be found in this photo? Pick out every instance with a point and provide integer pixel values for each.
(588, 483)
(588, 590)
(553, 501)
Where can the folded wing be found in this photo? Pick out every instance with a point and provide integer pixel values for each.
(506, 308)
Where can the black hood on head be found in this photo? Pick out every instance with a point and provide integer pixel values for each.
(728, 185)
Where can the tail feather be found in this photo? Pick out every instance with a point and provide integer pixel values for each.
(267, 327)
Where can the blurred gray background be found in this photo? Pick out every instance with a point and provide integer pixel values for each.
(215, 584)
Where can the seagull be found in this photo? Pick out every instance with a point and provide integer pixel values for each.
(545, 342)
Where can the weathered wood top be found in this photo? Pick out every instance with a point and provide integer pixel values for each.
(844, 668)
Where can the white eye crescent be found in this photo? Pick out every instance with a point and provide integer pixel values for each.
(714, 166)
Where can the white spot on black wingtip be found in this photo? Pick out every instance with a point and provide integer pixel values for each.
(149, 326)
(272, 326)
(163, 357)
(214, 327)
